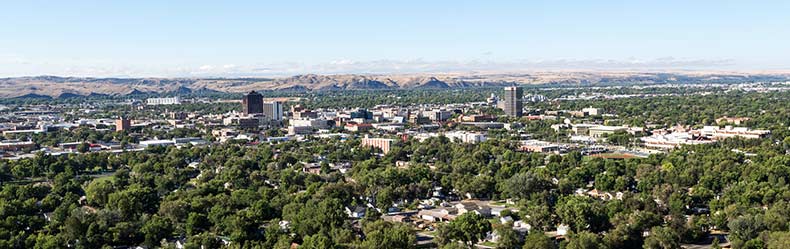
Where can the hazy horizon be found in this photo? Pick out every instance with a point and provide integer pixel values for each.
(254, 39)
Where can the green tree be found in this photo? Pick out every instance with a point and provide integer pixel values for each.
(468, 228)
(786, 143)
(455, 245)
(472, 227)
(203, 240)
(745, 228)
(585, 240)
(540, 217)
(662, 238)
(388, 235)
(778, 240)
(508, 238)
(133, 201)
(445, 234)
(522, 185)
(98, 191)
(156, 229)
(538, 240)
(583, 213)
(83, 147)
(715, 243)
(196, 223)
(44, 241)
(628, 229)
(317, 241)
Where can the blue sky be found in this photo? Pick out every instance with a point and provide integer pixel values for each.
(250, 38)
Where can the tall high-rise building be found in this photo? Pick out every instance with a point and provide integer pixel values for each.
(122, 124)
(273, 110)
(361, 113)
(252, 103)
(513, 101)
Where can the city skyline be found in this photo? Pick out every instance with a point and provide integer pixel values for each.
(203, 39)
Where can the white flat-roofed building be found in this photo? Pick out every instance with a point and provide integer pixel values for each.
(189, 140)
(314, 123)
(389, 127)
(714, 132)
(157, 142)
(163, 101)
(31, 131)
(672, 140)
(591, 111)
(538, 146)
(15, 145)
(466, 137)
(601, 130)
(461, 136)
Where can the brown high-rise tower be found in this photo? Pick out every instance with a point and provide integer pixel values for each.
(122, 124)
(252, 103)
(513, 102)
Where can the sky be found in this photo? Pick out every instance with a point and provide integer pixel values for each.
(267, 38)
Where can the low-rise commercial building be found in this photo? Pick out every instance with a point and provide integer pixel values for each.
(715, 132)
(163, 101)
(672, 140)
(385, 144)
(538, 146)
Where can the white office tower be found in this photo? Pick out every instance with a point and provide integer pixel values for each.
(273, 110)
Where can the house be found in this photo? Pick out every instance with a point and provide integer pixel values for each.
(521, 226)
(343, 167)
(562, 229)
(284, 225)
(393, 209)
(397, 218)
(492, 236)
(437, 193)
(595, 193)
(312, 168)
(464, 207)
(424, 205)
(496, 211)
(357, 212)
(438, 214)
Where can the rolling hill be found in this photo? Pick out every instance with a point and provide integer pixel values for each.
(70, 87)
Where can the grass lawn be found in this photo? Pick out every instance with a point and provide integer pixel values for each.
(488, 243)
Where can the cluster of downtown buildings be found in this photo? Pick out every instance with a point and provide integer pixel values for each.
(380, 127)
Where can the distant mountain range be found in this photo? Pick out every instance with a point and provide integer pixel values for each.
(70, 87)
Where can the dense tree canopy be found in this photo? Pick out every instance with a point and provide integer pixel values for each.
(258, 196)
